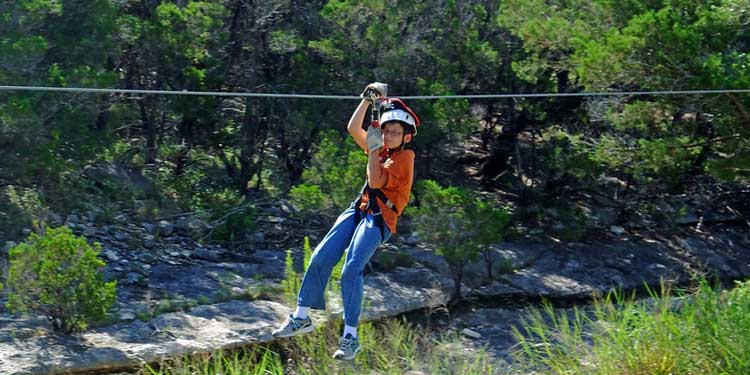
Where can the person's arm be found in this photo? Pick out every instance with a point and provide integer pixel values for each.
(355, 124)
(376, 177)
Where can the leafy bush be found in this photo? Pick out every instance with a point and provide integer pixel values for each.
(230, 215)
(15, 212)
(58, 275)
(334, 177)
(457, 224)
(307, 197)
(30, 202)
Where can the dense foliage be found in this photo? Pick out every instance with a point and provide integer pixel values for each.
(197, 153)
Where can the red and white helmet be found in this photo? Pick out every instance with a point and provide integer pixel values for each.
(394, 109)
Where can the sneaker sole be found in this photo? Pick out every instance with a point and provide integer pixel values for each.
(300, 331)
(349, 358)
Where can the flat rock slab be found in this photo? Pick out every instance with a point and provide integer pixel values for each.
(204, 328)
(201, 329)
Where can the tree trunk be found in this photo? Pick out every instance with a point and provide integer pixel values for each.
(488, 261)
(149, 131)
(458, 277)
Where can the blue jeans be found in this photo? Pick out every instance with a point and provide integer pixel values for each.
(359, 240)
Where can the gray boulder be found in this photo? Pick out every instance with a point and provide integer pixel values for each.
(109, 173)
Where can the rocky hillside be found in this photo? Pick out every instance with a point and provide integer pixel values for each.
(177, 295)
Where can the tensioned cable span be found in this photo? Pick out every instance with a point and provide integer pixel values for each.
(352, 97)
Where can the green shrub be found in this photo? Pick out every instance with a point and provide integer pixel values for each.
(307, 197)
(235, 226)
(334, 177)
(58, 275)
(456, 223)
(21, 207)
(230, 215)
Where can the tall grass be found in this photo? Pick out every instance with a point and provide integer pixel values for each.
(706, 332)
(293, 280)
(393, 347)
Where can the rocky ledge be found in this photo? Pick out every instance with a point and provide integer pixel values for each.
(225, 312)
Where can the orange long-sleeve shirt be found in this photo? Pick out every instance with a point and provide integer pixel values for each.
(399, 173)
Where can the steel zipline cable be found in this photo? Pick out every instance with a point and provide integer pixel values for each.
(353, 97)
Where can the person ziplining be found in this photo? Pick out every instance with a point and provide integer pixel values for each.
(368, 222)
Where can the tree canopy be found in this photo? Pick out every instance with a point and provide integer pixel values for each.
(200, 151)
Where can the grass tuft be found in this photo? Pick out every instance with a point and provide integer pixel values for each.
(669, 333)
(391, 347)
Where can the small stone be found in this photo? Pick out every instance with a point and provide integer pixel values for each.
(72, 218)
(127, 315)
(89, 231)
(574, 265)
(205, 254)
(194, 225)
(111, 256)
(121, 236)
(412, 240)
(147, 258)
(166, 228)
(259, 237)
(657, 267)
(174, 254)
(471, 334)
(55, 219)
(149, 243)
(616, 229)
(133, 278)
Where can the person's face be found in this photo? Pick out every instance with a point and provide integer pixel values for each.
(393, 132)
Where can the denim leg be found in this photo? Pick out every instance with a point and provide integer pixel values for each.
(328, 252)
(363, 245)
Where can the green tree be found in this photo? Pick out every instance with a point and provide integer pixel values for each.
(52, 43)
(488, 226)
(58, 274)
(459, 225)
(677, 45)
